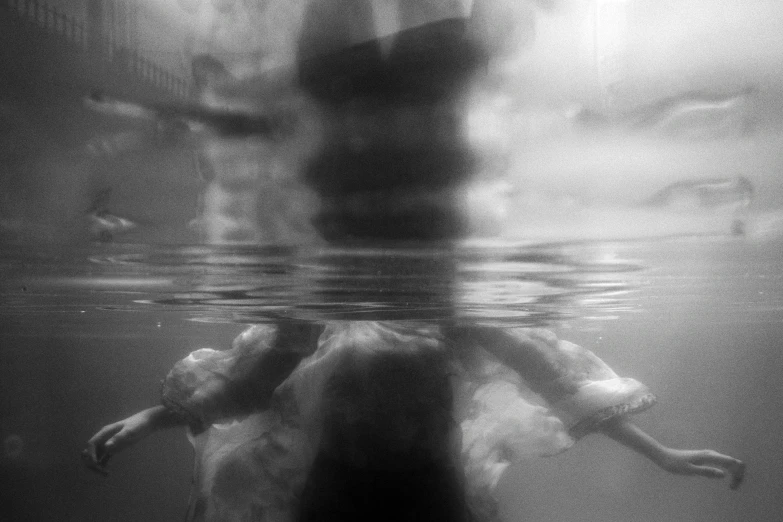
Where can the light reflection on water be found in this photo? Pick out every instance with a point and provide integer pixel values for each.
(499, 283)
(495, 284)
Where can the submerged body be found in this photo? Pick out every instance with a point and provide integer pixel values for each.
(388, 421)
(394, 421)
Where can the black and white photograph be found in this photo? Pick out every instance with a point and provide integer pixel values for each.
(391, 260)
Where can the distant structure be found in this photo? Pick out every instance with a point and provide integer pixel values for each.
(90, 44)
(64, 168)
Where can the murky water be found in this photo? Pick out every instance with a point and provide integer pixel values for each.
(87, 334)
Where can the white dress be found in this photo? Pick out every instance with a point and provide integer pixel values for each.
(252, 463)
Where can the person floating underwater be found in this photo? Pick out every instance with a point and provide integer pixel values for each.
(359, 420)
(382, 102)
(399, 420)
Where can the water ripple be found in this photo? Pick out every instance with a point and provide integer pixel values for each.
(497, 284)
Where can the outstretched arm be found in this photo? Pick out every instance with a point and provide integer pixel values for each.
(704, 463)
(588, 396)
(211, 385)
(119, 435)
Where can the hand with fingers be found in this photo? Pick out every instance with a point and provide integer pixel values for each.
(115, 437)
(704, 463)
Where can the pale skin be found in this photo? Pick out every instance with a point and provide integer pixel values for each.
(117, 436)
(701, 463)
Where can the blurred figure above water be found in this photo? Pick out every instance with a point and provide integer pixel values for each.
(368, 124)
(331, 120)
(378, 115)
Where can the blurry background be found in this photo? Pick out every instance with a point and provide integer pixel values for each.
(605, 103)
(602, 103)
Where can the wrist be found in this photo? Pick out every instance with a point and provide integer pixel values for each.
(661, 456)
(630, 435)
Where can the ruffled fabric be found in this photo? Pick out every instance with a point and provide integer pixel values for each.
(503, 427)
(505, 421)
(255, 468)
(600, 401)
(210, 386)
(250, 465)
(249, 470)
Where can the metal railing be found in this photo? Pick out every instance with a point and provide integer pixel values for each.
(76, 33)
(51, 19)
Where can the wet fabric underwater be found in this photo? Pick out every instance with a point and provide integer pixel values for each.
(397, 412)
(380, 192)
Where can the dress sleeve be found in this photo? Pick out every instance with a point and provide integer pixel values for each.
(576, 385)
(209, 386)
(529, 395)
(598, 393)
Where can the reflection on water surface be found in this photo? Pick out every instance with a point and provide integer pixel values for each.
(498, 283)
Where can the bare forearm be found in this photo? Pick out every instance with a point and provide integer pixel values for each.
(119, 435)
(632, 436)
(701, 462)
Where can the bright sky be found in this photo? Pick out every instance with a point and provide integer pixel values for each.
(671, 46)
